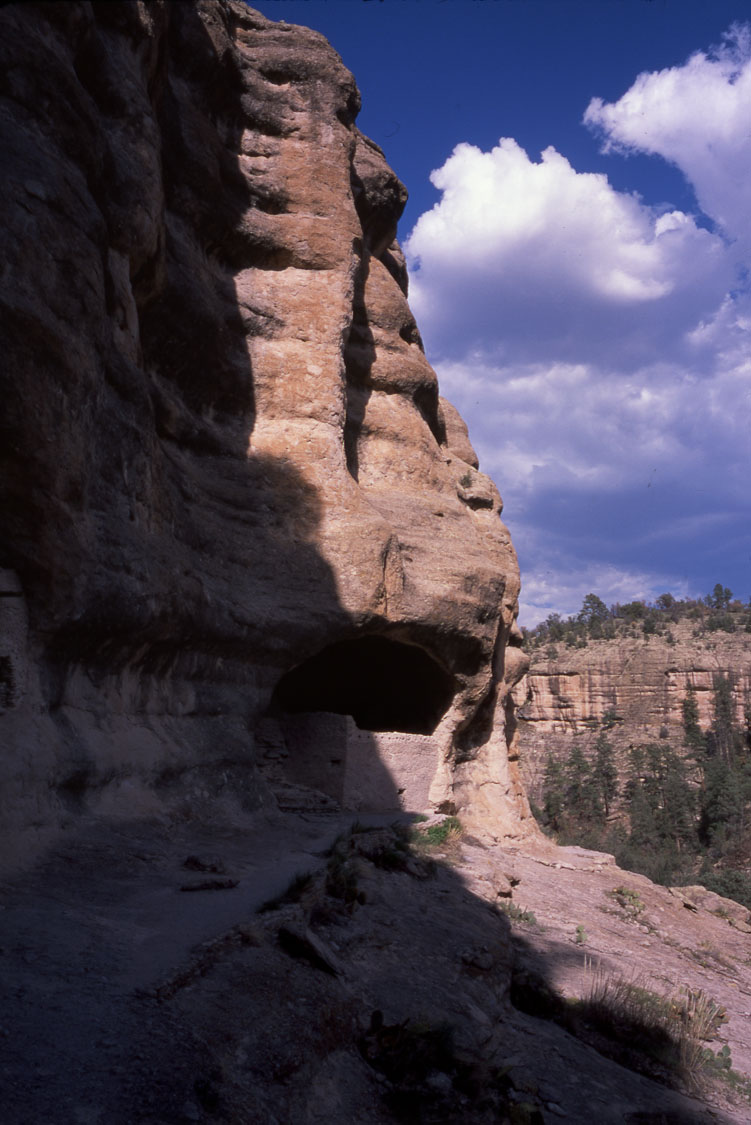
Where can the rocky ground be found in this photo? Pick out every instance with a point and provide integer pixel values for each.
(399, 982)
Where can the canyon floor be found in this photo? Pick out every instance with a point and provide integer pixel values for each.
(388, 986)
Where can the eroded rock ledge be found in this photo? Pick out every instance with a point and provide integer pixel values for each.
(228, 485)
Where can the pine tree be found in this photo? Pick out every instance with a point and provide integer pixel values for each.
(593, 615)
(641, 815)
(553, 798)
(605, 773)
(678, 822)
(720, 597)
(723, 740)
(726, 786)
(662, 807)
(693, 737)
(582, 798)
(722, 806)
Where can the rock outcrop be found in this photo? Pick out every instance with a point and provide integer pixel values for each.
(229, 491)
(641, 681)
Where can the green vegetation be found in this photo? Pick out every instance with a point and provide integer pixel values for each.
(578, 793)
(445, 831)
(341, 879)
(596, 621)
(516, 913)
(684, 818)
(670, 1030)
(629, 899)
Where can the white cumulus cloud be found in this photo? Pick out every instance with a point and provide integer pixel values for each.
(599, 347)
(698, 117)
(536, 260)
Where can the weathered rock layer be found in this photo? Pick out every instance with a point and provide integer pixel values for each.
(224, 456)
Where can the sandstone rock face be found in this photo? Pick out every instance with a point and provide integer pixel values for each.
(643, 680)
(223, 451)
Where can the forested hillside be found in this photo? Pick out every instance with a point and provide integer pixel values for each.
(718, 612)
(635, 736)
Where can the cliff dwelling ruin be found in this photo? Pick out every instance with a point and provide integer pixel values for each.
(355, 722)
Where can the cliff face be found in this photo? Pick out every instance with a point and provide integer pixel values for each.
(231, 499)
(642, 680)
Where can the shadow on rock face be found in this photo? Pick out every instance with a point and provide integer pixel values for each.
(384, 684)
(206, 327)
(130, 507)
(171, 574)
(165, 571)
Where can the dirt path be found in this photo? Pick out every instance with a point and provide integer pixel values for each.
(86, 937)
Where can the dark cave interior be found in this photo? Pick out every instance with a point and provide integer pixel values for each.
(385, 685)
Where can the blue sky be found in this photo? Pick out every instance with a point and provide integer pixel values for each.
(579, 246)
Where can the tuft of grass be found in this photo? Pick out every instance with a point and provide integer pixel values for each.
(516, 913)
(388, 849)
(661, 1036)
(615, 1004)
(293, 893)
(341, 880)
(708, 955)
(447, 831)
(629, 899)
(669, 1029)
(582, 937)
(701, 1018)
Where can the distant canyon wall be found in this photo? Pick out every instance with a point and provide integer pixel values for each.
(229, 490)
(641, 680)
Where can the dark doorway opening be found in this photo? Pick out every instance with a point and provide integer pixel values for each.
(384, 685)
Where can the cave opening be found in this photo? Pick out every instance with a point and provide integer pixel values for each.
(385, 685)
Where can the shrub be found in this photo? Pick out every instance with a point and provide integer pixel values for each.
(446, 831)
(729, 883)
(668, 1030)
(629, 899)
(301, 883)
(658, 1035)
(517, 914)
